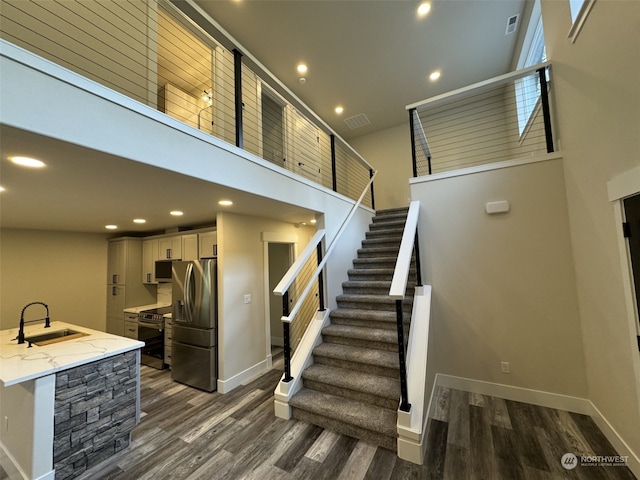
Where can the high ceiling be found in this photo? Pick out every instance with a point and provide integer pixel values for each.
(372, 57)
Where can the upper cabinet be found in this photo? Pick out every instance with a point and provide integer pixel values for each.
(170, 248)
(208, 244)
(149, 257)
(190, 247)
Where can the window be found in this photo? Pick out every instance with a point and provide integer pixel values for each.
(580, 9)
(528, 88)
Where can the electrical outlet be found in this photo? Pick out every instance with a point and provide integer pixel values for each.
(505, 367)
(247, 298)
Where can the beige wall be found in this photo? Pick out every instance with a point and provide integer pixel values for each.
(503, 285)
(389, 152)
(242, 327)
(598, 99)
(66, 270)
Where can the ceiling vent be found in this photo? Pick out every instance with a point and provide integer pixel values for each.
(357, 121)
(512, 24)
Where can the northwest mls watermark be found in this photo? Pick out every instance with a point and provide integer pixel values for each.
(570, 461)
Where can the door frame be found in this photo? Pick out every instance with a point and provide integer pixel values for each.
(267, 238)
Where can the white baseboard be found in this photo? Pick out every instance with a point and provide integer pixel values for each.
(225, 386)
(633, 462)
(518, 394)
(546, 399)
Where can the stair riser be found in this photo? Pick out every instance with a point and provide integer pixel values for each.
(392, 242)
(369, 263)
(382, 290)
(357, 342)
(364, 276)
(358, 367)
(389, 225)
(367, 323)
(380, 307)
(377, 252)
(387, 234)
(389, 403)
(345, 429)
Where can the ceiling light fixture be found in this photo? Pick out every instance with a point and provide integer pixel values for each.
(339, 110)
(1, 189)
(111, 227)
(423, 9)
(207, 98)
(312, 221)
(225, 203)
(434, 75)
(302, 68)
(176, 213)
(139, 220)
(27, 162)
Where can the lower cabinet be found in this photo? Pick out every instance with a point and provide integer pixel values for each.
(131, 325)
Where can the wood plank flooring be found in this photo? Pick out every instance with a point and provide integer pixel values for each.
(186, 434)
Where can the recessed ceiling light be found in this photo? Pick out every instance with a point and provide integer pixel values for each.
(434, 75)
(339, 110)
(111, 227)
(225, 203)
(139, 220)
(302, 68)
(27, 162)
(1, 189)
(176, 213)
(423, 9)
(312, 221)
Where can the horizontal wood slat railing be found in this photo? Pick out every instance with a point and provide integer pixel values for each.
(282, 289)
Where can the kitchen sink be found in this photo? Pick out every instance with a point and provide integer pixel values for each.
(54, 337)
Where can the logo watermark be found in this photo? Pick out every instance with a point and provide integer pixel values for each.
(569, 461)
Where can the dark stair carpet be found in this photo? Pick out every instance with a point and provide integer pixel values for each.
(353, 387)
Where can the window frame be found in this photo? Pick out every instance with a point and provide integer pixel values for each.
(580, 10)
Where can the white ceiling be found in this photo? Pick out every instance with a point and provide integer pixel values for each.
(371, 56)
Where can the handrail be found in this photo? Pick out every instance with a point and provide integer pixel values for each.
(478, 87)
(403, 264)
(398, 289)
(282, 289)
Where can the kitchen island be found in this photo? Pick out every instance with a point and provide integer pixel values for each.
(67, 405)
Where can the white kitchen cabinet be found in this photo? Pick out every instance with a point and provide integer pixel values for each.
(208, 244)
(170, 248)
(190, 247)
(131, 329)
(149, 256)
(124, 282)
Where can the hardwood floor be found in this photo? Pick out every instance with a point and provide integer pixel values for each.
(186, 434)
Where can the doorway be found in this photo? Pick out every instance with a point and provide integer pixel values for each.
(280, 258)
(632, 215)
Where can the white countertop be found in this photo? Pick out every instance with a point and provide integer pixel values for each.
(18, 363)
(146, 307)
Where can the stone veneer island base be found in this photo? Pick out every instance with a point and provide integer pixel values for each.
(66, 406)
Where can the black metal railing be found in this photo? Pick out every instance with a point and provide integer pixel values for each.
(408, 255)
(504, 118)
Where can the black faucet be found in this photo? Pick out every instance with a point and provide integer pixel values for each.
(47, 322)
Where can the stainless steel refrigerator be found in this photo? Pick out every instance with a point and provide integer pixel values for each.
(194, 350)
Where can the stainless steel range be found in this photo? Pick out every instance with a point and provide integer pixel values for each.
(151, 332)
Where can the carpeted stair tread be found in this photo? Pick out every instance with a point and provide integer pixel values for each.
(358, 381)
(384, 232)
(359, 313)
(373, 300)
(361, 333)
(348, 411)
(359, 355)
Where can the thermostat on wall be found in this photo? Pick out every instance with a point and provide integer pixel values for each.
(497, 207)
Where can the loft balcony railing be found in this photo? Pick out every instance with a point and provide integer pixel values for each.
(152, 52)
(504, 118)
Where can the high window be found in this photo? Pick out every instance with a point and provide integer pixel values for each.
(533, 52)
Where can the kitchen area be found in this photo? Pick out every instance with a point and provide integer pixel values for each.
(162, 291)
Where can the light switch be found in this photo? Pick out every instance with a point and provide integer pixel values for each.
(247, 298)
(497, 207)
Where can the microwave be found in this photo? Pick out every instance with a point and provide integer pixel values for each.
(163, 270)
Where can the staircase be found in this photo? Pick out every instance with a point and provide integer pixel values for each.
(353, 386)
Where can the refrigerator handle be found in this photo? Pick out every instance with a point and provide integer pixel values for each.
(188, 293)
